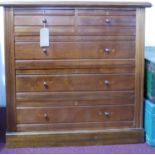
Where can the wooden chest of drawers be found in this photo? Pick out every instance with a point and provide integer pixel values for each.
(87, 86)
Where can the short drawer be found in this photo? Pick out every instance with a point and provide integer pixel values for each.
(76, 50)
(76, 82)
(107, 20)
(83, 18)
(74, 114)
(29, 20)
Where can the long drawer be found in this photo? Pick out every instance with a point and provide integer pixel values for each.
(72, 31)
(74, 114)
(76, 50)
(21, 20)
(75, 82)
(42, 99)
(89, 11)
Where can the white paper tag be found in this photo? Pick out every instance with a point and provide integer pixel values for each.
(44, 37)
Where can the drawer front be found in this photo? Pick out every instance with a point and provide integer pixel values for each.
(70, 20)
(76, 50)
(107, 65)
(89, 11)
(61, 39)
(38, 20)
(74, 114)
(42, 99)
(107, 20)
(73, 31)
(85, 82)
(75, 21)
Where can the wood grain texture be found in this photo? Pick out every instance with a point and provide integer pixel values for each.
(36, 99)
(84, 11)
(9, 70)
(73, 63)
(83, 82)
(25, 39)
(21, 20)
(85, 137)
(75, 126)
(110, 69)
(73, 91)
(140, 30)
(76, 114)
(78, 3)
(72, 31)
(76, 50)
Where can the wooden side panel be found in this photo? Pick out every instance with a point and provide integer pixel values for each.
(139, 67)
(10, 72)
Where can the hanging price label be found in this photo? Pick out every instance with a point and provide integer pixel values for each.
(44, 37)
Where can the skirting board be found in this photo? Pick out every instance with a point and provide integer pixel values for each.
(72, 138)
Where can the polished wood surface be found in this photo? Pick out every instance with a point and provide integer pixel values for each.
(82, 82)
(36, 99)
(77, 3)
(90, 77)
(21, 20)
(74, 114)
(61, 138)
(76, 50)
(74, 64)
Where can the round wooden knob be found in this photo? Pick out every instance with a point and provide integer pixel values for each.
(44, 20)
(107, 50)
(106, 82)
(107, 20)
(44, 50)
(45, 84)
(46, 116)
(106, 114)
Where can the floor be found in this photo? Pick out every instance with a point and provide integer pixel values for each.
(105, 149)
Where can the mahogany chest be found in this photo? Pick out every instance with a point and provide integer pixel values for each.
(86, 87)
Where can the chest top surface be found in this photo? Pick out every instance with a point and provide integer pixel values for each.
(76, 3)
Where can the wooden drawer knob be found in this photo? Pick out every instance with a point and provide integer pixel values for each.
(107, 50)
(44, 50)
(106, 114)
(45, 83)
(107, 20)
(44, 20)
(106, 82)
(46, 116)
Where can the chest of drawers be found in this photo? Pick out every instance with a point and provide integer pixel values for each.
(87, 86)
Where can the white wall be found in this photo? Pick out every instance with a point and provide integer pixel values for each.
(149, 40)
(2, 77)
(150, 25)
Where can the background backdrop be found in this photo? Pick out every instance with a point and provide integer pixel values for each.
(149, 40)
